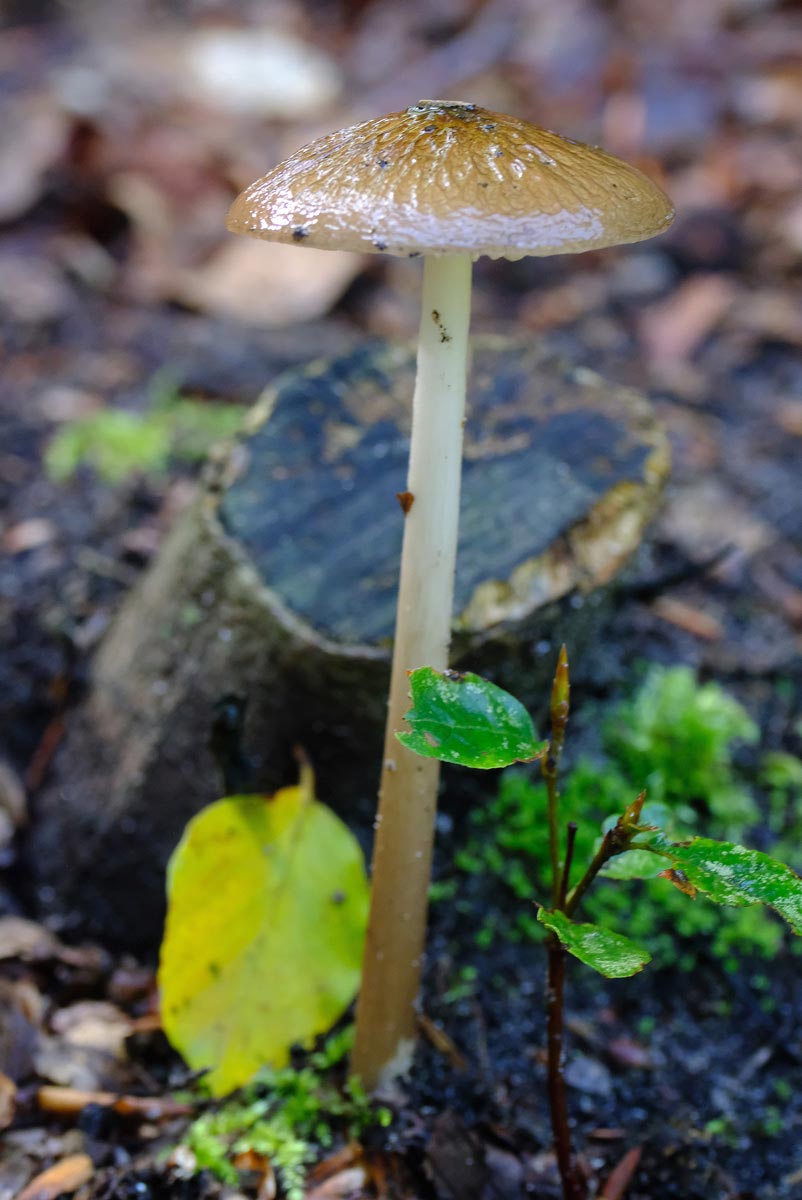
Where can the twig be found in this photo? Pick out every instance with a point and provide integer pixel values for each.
(550, 764)
(615, 841)
(573, 1188)
(69, 1102)
(570, 839)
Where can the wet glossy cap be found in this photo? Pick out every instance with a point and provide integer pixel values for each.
(447, 178)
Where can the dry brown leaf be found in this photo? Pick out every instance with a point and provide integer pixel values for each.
(33, 134)
(621, 1175)
(271, 285)
(442, 1042)
(33, 290)
(29, 534)
(62, 1179)
(788, 415)
(26, 940)
(342, 1186)
(688, 617)
(84, 1067)
(95, 1023)
(774, 95)
(704, 517)
(673, 329)
(8, 1100)
(265, 71)
(348, 1156)
(13, 801)
(771, 314)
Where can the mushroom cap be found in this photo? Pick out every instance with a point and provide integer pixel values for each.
(451, 178)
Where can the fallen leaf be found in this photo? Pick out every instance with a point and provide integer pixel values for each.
(704, 517)
(28, 535)
(343, 1186)
(673, 329)
(267, 908)
(621, 1175)
(348, 1156)
(772, 95)
(33, 289)
(258, 1167)
(62, 1179)
(8, 1100)
(270, 286)
(788, 415)
(94, 1023)
(265, 71)
(442, 1042)
(12, 795)
(625, 1052)
(33, 134)
(26, 940)
(83, 1067)
(22, 1009)
(688, 617)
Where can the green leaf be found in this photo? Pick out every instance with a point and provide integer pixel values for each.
(465, 719)
(267, 908)
(632, 864)
(609, 953)
(736, 876)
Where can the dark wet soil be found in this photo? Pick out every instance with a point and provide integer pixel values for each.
(701, 1071)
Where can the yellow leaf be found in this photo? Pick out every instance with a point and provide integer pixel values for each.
(267, 907)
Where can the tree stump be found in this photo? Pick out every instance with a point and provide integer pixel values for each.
(274, 596)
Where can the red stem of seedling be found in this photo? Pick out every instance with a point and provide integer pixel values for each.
(573, 1188)
(572, 1185)
(570, 839)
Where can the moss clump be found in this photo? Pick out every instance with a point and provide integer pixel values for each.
(677, 739)
(117, 443)
(286, 1116)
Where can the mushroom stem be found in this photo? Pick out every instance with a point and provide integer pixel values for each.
(385, 1023)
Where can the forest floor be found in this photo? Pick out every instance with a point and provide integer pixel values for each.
(116, 281)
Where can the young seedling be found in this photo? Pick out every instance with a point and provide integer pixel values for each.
(466, 720)
(447, 181)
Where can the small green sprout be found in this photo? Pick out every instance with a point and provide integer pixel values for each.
(453, 718)
(680, 739)
(285, 1115)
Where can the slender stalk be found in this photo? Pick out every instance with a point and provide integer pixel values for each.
(385, 1022)
(570, 841)
(609, 847)
(573, 1188)
(549, 770)
(550, 765)
(615, 841)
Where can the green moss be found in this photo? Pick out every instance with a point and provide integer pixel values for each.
(285, 1115)
(677, 739)
(117, 443)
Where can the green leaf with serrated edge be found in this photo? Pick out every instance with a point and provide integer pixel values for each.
(467, 720)
(736, 876)
(609, 953)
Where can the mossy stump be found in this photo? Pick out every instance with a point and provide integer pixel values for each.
(274, 596)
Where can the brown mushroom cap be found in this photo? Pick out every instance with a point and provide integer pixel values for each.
(449, 178)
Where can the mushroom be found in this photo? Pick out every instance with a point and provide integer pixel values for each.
(449, 181)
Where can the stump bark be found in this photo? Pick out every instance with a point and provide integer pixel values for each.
(265, 622)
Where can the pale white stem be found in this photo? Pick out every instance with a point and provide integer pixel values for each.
(408, 795)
